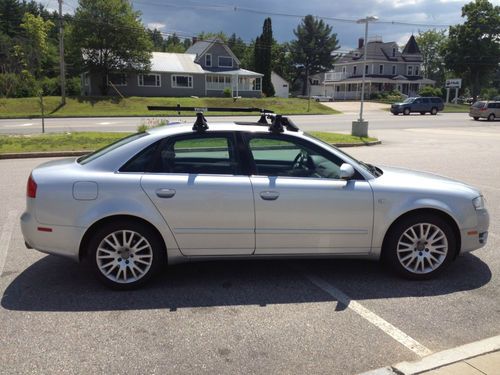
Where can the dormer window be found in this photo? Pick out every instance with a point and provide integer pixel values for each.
(225, 62)
(354, 70)
(366, 69)
(394, 70)
(381, 69)
(393, 51)
(410, 70)
(208, 59)
(416, 70)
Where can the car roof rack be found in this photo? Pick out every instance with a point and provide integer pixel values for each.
(278, 122)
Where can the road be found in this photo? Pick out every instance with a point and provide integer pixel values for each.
(342, 122)
(273, 317)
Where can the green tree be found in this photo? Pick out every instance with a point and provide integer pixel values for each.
(157, 40)
(262, 56)
(312, 51)
(281, 61)
(473, 48)
(208, 36)
(174, 44)
(34, 48)
(111, 37)
(237, 45)
(431, 44)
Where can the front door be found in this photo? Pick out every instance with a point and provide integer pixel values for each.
(301, 204)
(200, 192)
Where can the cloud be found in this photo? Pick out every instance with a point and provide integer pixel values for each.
(155, 25)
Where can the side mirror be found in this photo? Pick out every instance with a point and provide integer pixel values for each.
(346, 171)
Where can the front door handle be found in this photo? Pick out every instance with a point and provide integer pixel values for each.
(269, 195)
(165, 193)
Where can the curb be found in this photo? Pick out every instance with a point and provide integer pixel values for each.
(441, 359)
(56, 154)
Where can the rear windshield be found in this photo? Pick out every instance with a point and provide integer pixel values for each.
(113, 146)
(478, 104)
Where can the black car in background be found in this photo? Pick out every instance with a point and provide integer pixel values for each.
(421, 105)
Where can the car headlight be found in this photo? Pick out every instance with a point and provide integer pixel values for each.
(478, 203)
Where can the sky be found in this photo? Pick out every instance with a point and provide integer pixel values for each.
(245, 18)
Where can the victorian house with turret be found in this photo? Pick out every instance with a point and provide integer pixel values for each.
(387, 69)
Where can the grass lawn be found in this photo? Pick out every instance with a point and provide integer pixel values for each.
(453, 108)
(137, 106)
(94, 140)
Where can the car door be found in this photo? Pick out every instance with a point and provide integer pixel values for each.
(301, 204)
(197, 186)
(417, 105)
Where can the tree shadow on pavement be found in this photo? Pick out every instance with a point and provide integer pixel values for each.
(57, 284)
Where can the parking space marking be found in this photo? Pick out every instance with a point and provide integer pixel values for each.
(5, 236)
(373, 318)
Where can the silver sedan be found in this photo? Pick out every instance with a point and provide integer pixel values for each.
(173, 194)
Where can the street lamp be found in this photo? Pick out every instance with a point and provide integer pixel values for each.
(360, 127)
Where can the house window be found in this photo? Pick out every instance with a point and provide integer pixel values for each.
(86, 79)
(354, 70)
(315, 82)
(117, 79)
(410, 70)
(152, 80)
(381, 69)
(182, 81)
(208, 59)
(393, 51)
(366, 69)
(394, 70)
(257, 84)
(225, 62)
(343, 70)
(416, 70)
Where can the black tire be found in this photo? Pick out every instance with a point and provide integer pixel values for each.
(395, 113)
(476, 118)
(406, 111)
(422, 113)
(158, 253)
(491, 117)
(395, 234)
(434, 111)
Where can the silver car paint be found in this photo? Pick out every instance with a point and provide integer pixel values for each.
(199, 225)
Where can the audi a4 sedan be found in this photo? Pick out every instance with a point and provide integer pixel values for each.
(230, 191)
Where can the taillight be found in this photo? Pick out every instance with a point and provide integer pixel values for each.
(31, 187)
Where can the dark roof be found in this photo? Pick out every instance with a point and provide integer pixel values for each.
(377, 50)
(199, 47)
(411, 47)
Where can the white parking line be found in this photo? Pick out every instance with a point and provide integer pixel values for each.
(5, 237)
(373, 318)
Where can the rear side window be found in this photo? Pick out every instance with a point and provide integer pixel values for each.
(479, 105)
(113, 146)
(143, 161)
(493, 105)
(198, 154)
(436, 100)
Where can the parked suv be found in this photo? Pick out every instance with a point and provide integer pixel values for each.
(488, 110)
(420, 104)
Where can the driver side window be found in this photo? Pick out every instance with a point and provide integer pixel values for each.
(279, 157)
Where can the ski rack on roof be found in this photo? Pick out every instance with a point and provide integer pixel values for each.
(277, 125)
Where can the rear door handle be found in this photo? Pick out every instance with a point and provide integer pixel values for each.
(165, 193)
(269, 195)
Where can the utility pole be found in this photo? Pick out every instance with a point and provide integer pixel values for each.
(61, 55)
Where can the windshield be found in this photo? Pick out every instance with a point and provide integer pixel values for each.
(478, 104)
(113, 146)
(408, 100)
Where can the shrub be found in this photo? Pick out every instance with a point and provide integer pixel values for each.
(489, 93)
(228, 92)
(430, 91)
(73, 86)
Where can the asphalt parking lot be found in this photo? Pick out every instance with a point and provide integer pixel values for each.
(294, 317)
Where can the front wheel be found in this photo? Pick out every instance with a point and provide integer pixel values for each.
(126, 254)
(422, 113)
(434, 111)
(476, 118)
(419, 247)
(406, 111)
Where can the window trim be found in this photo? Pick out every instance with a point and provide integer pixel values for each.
(225, 66)
(141, 76)
(190, 79)
(208, 55)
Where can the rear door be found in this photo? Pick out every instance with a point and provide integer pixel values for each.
(198, 187)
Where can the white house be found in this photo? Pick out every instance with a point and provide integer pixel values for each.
(281, 86)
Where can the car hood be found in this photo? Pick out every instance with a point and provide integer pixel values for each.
(424, 181)
(401, 103)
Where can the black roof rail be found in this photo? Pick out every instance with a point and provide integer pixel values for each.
(178, 108)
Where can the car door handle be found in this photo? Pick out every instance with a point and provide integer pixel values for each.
(269, 195)
(165, 193)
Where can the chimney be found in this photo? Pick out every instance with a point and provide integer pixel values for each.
(361, 42)
(195, 39)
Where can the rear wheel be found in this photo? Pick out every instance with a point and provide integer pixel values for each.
(125, 254)
(434, 111)
(406, 111)
(476, 118)
(395, 113)
(422, 113)
(419, 247)
(491, 117)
